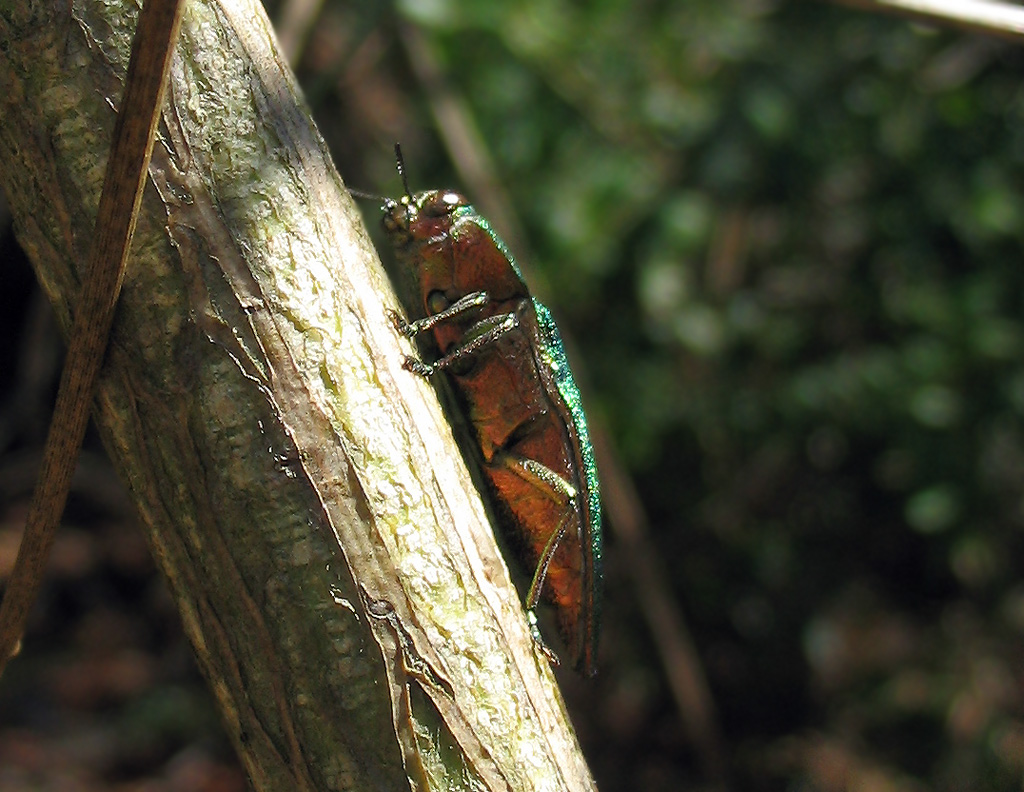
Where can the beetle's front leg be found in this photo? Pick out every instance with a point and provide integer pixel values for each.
(443, 312)
(484, 332)
(463, 304)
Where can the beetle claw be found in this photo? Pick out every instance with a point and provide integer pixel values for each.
(538, 639)
(417, 367)
(399, 323)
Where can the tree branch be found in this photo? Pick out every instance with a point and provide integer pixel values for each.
(302, 493)
(991, 17)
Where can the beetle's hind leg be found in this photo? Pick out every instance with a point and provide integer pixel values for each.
(559, 491)
(556, 489)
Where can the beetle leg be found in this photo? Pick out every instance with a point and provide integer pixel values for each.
(489, 330)
(537, 584)
(463, 304)
(538, 639)
(560, 491)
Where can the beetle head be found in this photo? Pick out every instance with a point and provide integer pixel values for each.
(424, 216)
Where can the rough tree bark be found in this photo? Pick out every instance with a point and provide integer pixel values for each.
(301, 492)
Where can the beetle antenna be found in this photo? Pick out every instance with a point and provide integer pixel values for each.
(400, 162)
(367, 195)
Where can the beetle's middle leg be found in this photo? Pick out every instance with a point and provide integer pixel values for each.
(484, 332)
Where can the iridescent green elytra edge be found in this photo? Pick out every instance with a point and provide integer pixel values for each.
(469, 307)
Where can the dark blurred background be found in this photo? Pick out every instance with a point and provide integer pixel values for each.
(784, 241)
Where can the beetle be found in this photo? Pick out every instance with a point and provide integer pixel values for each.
(467, 303)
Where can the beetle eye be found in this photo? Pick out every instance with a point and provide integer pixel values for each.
(397, 215)
(388, 218)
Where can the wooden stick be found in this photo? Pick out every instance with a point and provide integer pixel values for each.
(991, 17)
(155, 35)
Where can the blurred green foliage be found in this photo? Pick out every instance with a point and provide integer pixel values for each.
(786, 240)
